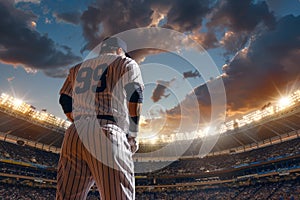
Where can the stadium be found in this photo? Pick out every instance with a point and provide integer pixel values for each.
(256, 156)
(215, 105)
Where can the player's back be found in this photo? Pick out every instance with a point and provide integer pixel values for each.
(98, 88)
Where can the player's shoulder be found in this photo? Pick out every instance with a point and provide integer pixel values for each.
(129, 59)
(73, 70)
(76, 67)
(129, 62)
(124, 63)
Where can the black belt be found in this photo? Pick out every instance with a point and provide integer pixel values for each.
(107, 117)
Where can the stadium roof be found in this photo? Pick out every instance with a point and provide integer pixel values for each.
(21, 128)
(272, 130)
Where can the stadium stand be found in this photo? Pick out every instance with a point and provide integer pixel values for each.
(21, 192)
(260, 160)
(193, 165)
(8, 191)
(27, 154)
(213, 163)
(286, 154)
(270, 191)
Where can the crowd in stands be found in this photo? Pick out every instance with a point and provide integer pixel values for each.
(27, 154)
(32, 155)
(213, 194)
(285, 190)
(22, 192)
(281, 190)
(212, 163)
(278, 190)
(20, 170)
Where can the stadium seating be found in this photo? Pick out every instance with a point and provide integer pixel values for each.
(27, 154)
(197, 165)
(260, 191)
(41, 164)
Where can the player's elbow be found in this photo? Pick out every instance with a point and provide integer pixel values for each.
(66, 103)
(134, 93)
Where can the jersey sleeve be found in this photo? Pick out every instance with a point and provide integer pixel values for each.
(65, 99)
(67, 87)
(133, 74)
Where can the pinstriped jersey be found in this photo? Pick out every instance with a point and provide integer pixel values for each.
(97, 86)
(67, 87)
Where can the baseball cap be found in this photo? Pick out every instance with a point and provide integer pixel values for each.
(114, 42)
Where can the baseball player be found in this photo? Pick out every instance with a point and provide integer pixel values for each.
(103, 97)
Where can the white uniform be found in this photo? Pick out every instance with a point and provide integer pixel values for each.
(95, 147)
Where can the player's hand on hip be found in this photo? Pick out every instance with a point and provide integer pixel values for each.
(134, 145)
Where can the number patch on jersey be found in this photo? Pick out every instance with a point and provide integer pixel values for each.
(87, 74)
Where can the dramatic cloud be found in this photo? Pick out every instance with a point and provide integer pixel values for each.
(266, 51)
(68, 17)
(160, 89)
(254, 76)
(57, 72)
(191, 74)
(283, 8)
(233, 42)
(240, 19)
(269, 63)
(183, 16)
(99, 22)
(207, 40)
(21, 44)
(241, 16)
(187, 16)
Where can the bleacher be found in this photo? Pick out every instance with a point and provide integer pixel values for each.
(205, 176)
(256, 161)
(27, 154)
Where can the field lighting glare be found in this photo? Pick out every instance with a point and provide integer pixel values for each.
(284, 102)
(17, 102)
(153, 140)
(206, 131)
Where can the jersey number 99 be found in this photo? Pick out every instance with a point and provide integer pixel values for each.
(87, 74)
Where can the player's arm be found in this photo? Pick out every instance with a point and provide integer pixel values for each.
(66, 104)
(134, 94)
(134, 114)
(65, 99)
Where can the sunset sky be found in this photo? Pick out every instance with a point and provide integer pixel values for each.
(254, 44)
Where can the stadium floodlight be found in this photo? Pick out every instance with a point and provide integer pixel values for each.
(4, 95)
(284, 102)
(153, 140)
(17, 102)
(206, 131)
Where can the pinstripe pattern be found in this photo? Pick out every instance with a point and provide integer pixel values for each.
(78, 170)
(67, 87)
(92, 153)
